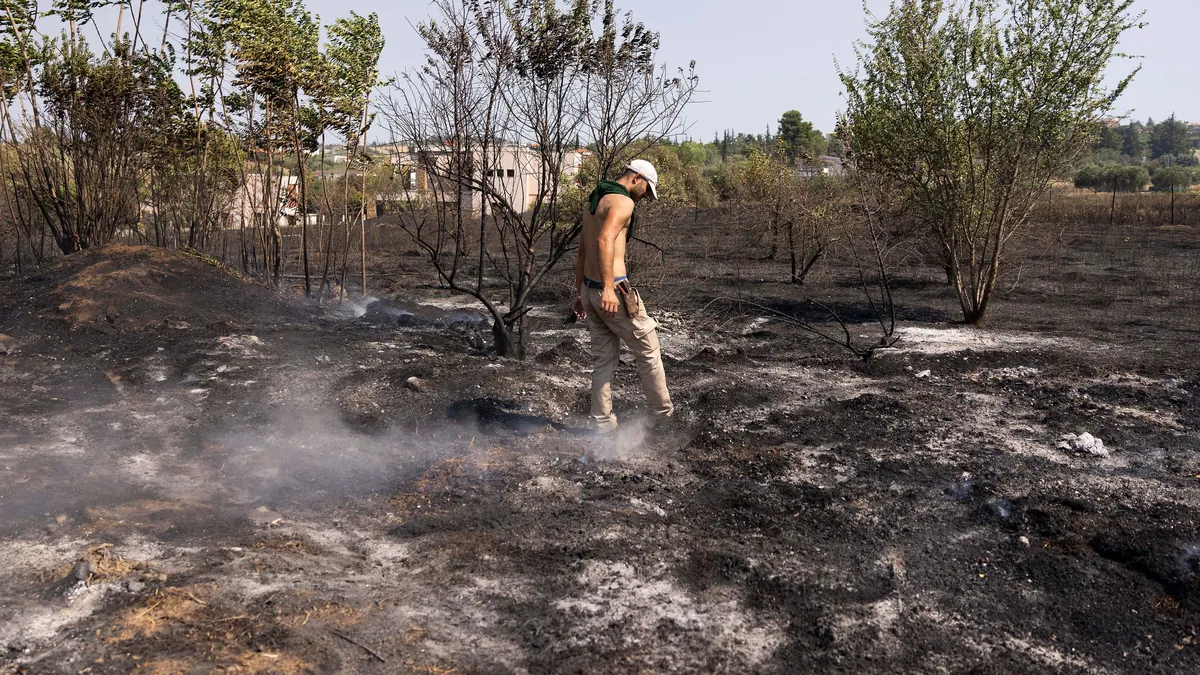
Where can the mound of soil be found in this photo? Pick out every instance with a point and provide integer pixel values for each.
(132, 288)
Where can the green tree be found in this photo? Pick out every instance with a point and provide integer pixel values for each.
(1109, 139)
(692, 154)
(344, 100)
(1170, 137)
(798, 138)
(971, 108)
(1121, 178)
(1133, 141)
(1173, 179)
(1089, 177)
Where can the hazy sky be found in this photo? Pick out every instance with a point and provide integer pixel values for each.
(759, 58)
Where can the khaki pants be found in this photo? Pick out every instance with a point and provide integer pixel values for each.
(640, 334)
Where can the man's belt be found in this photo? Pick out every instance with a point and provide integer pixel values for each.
(599, 285)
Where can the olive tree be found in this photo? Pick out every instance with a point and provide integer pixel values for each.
(972, 107)
(1172, 179)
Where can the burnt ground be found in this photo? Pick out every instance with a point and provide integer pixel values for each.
(259, 486)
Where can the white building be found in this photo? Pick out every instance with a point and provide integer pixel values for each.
(514, 171)
(254, 198)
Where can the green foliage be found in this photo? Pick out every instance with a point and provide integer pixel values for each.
(762, 177)
(1112, 177)
(692, 154)
(1172, 179)
(971, 108)
(1133, 142)
(1109, 139)
(798, 139)
(355, 44)
(1170, 137)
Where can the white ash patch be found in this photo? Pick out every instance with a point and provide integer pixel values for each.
(874, 623)
(645, 507)
(614, 533)
(1049, 656)
(926, 340)
(614, 592)
(386, 553)
(142, 467)
(247, 346)
(810, 466)
(41, 622)
(554, 487)
(1014, 374)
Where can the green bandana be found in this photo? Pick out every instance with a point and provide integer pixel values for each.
(605, 188)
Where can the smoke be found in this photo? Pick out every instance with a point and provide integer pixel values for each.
(627, 443)
(359, 307)
(311, 457)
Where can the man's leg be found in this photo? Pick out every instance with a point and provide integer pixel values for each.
(641, 335)
(648, 354)
(606, 350)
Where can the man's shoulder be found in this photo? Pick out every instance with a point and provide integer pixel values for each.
(615, 202)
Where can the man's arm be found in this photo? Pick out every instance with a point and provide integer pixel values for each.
(579, 261)
(577, 303)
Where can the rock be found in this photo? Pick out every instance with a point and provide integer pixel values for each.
(387, 313)
(8, 344)
(416, 384)
(264, 516)
(1024, 541)
(1084, 443)
(924, 374)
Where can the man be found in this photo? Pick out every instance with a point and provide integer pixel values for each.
(612, 308)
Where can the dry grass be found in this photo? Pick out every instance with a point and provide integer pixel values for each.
(159, 611)
(332, 614)
(105, 565)
(145, 514)
(434, 485)
(288, 544)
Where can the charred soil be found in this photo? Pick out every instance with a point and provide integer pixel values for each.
(198, 473)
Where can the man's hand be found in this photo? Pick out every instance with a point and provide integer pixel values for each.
(608, 302)
(577, 307)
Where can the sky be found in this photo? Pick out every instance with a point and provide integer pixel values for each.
(759, 58)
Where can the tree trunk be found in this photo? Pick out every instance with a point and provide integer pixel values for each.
(363, 199)
(774, 235)
(792, 251)
(502, 339)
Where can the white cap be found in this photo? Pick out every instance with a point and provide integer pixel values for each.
(646, 170)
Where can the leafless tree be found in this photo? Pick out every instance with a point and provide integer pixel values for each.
(489, 121)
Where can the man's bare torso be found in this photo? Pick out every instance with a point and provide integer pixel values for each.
(592, 225)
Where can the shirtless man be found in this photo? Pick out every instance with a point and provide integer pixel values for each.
(613, 310)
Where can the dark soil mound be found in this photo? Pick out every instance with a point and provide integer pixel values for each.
(132, 288)
(567, 351)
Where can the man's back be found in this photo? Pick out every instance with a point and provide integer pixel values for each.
(612, 213)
